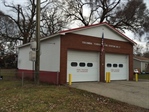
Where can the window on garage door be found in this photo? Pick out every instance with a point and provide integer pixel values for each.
(74, 64)
(89, 64)
(109, 64)
(82, 64)
(121, 65)
(115, 65)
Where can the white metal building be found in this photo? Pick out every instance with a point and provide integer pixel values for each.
(78, 52)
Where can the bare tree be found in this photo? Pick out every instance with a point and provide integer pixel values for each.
(8, 34)
(24, 19)
(138, 50)
(147, 45)
(8, 41)
(132, 16)
(88, 11)
(146, 54)
(52, 21)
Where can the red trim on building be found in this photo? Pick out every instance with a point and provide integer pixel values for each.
(68, 42)
(45, 76)
(27, 74)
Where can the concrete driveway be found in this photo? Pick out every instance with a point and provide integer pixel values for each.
(135, 93)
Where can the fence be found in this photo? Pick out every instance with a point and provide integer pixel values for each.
(28, 76)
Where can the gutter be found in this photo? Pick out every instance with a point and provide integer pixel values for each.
(141, 60)
(42, 39)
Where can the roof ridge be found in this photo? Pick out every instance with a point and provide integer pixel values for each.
(98, 24)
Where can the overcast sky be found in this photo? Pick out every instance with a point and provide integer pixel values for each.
(129, 34)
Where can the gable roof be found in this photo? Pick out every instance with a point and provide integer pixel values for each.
(83, 28)
(96, 25)
(140, 58)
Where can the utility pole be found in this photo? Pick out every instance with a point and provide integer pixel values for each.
(37, 62)
(18, 13)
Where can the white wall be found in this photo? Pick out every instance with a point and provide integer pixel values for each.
(23, 58)
(144, 66)
(49, 59)
(50, 54)
(97, 32)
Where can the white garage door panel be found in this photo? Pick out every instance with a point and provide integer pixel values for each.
(117, 65)
(87, 71)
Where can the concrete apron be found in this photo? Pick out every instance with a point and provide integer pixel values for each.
(131, 92)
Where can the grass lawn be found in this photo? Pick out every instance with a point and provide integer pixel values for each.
(144, 76)
(51, 98)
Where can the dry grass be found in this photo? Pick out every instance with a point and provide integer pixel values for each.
(50, 98)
